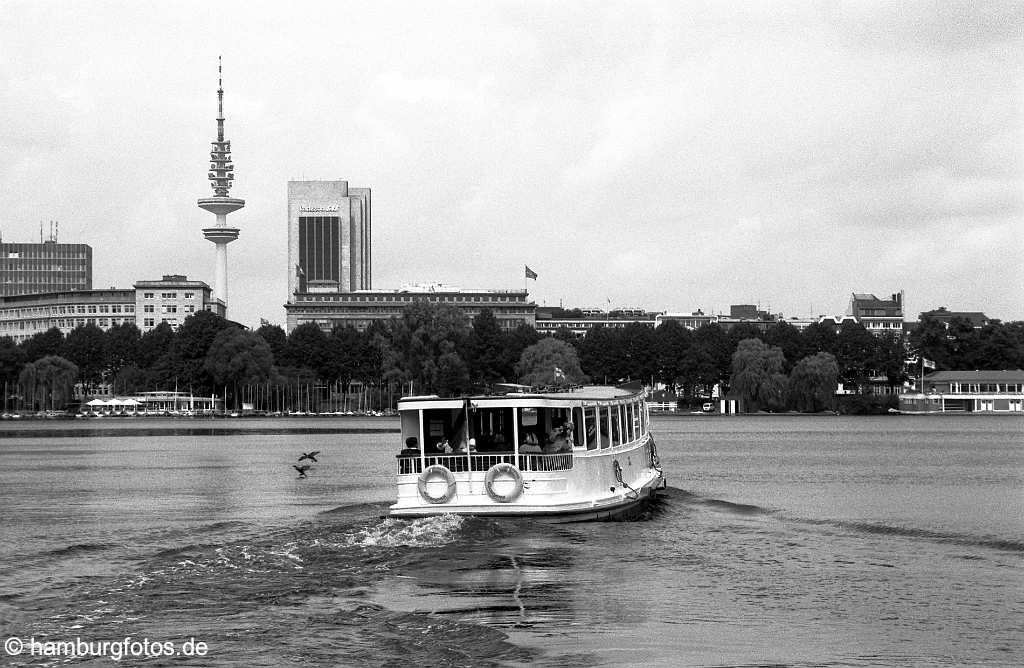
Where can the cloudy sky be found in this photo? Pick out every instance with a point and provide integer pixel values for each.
(669, 155)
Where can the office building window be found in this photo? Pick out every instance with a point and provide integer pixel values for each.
(320, 247)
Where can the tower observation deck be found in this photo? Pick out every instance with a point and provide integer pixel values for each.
(221, 176)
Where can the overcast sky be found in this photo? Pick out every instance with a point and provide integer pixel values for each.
(667, 155)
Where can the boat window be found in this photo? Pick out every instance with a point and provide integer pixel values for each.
(577, 428)
(616, 437)
(444, 430)
(410, 427)
(492, 429)
(604, 415)
(592, 420)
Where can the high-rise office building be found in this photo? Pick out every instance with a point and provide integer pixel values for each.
(328, 237)
(44, 267)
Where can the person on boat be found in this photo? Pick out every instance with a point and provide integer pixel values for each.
(443, 446)
(559, 442)
(530, 443)
(412, 446)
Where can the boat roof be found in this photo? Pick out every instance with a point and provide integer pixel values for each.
(575, 395)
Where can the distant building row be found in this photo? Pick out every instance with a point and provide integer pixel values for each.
(147, 304)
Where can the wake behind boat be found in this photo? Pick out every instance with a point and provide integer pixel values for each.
(582, 454)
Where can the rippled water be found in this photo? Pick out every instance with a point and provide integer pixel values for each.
(781, 541)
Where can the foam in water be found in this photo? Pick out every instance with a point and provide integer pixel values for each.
(422, 532)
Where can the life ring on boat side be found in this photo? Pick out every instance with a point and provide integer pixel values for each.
(500, 469)
(431, 472)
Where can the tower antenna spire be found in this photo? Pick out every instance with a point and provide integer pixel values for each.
(221, 175)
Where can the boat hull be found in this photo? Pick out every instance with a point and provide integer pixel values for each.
(631, 505)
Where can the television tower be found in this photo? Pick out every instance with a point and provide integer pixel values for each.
(221, 175)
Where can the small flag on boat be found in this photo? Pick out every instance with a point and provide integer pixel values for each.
(530, 273)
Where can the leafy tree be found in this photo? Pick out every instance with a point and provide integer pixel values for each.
(698, 373)
(999, 346)
(424, 333)
(857, 353)
(598, 354)
(928, 339)
(48, 382)
(191, 345)
(12, 359)
(452, 373)
(131, 380)
(714, 343)
(672, 341)
(819, 338)
(813, 382)
(518, 340)
(275, 337)
(485, 349)
(639, 358)
(787, 338)
(346, 347)
(308, 348)
(85, 347)
(757, 374)
(43, 344)
(155, 344)
(121, 347)
(550, 362)
(238, 357)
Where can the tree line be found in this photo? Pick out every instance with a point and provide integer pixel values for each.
(436, 349)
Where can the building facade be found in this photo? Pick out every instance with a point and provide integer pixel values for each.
(878, 316)
(46, 267)
(172, 299)
(24, 316)
(328, 238)
(511, 308)
(968, 392)
(581, 322)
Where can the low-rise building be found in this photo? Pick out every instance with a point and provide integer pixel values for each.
(967, 392)
(172, 299)
(24, 316)
(580, 322)
(694, 320)
(147, 304)
(511, 308)
(878, 316)
(976, 318)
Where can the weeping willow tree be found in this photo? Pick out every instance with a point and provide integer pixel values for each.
(48, 383)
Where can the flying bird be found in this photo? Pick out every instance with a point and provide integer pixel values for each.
(301, 469)
(309, 455)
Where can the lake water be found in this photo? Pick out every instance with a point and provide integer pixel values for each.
(854, 541)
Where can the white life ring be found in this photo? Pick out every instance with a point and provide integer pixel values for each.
(501, 469)
(431, 472)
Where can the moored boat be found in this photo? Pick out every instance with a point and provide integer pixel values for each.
(580, 454)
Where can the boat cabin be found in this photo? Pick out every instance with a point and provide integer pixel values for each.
(534, 432)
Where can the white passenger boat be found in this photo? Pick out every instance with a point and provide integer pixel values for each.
(582, 454)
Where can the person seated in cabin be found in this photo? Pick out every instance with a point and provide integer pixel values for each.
(530, 443)
(412, 446)
(559, 442)
(443, 446)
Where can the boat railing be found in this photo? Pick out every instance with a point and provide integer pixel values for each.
(413, 464)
